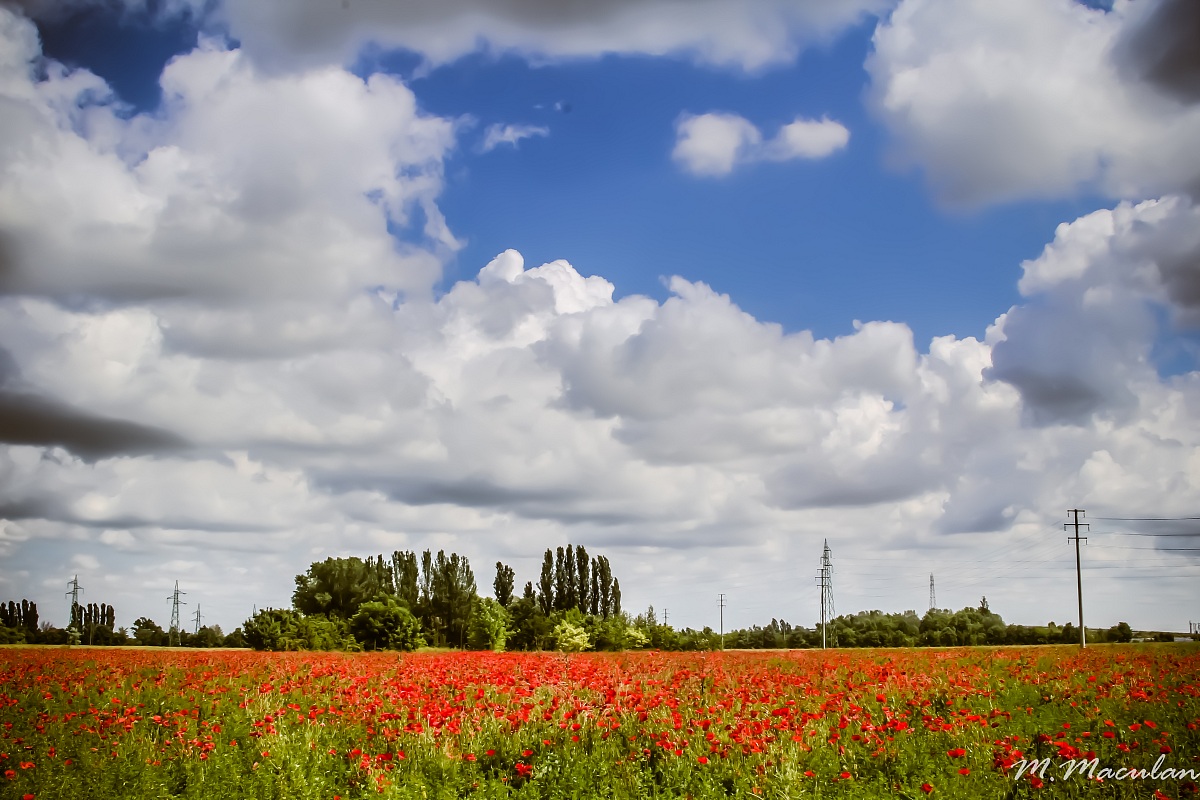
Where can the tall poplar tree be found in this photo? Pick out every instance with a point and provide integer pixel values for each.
(503, 584)
(583, 586)
(560, 580)
(546, 583)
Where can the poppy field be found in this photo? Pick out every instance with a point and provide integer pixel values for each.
(954, 723)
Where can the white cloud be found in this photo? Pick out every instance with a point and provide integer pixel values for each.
(805, 138)
(501, 133)
(1033, 98)
(748, 35)
(714, 144)
(247, 187)
(324, 415)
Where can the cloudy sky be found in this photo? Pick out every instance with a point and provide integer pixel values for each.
(698, 284)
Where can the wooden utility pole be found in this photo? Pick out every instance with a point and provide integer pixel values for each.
(1078, 571)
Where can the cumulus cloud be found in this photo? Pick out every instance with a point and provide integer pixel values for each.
(246, 187)
(747, 35)
(502, 133)
(714, 144)
(1082, 346)
(996, 102)
(223, 274)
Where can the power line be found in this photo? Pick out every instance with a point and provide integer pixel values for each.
(1141, 533)
(1150, 549)
(1146, 519)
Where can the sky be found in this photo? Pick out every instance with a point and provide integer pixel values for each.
(699, 285)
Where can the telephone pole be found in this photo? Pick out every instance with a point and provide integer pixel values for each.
(932, 595)
(1078, 570)
(721, 606)
(175, 603)
(825, 576)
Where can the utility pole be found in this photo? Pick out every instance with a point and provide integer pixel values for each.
(825, 576)
(932, 595)
(175, 603)
(721, 606)
(1078, 570)
(666, 616)
(197, 619)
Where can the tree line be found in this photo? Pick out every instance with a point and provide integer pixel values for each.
(95, 624)
(403, 601)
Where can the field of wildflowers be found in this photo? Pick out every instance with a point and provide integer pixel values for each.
(955, 723)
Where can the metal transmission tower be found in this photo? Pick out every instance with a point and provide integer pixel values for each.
(721, 606)
(1078, 572)
(74, 595)
(173, 636)
(825, 576)
(666, 615)
(932, 594)
(197, 617)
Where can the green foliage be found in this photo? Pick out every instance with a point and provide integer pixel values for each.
(451, 597)
(503, 584)
(530, 628)
(336, 587)
(570, 637)
(1121, 632)
(11, 635)
(147, 633)
(489, 625)
(384, 624)
(206, 637)
(282, 629)
(235, 639)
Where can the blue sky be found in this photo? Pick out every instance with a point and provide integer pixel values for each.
(959, 299)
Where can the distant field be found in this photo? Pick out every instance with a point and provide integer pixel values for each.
(158, 723)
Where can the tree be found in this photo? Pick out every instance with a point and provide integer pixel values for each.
(604, 586)
(572, 600)
(452, 589)
(283, 629)
(583, 585)
(235, 639)
(207, 637)
(570, 636)
(503, 584)
(1121, 632)
(489, 625)
(546, 583)
(384, 624)
(560, 580)
(336, 587)
(529, 626)
(616, 598)
(147, 633)
(404, 571)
